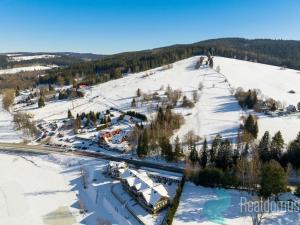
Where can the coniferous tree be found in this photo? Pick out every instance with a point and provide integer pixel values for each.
(273, 180)
(133, 103)
(294, 152)
(276, 146)
(194, 155)
(88, 120)
(160, 116)
(41, 102)
(224, 155)
(177, 149)
(70, 116)
(251, 126)
(93, 118)
(143, 144)
(17, 91)
(236, 156)
(204, 154)
(215, 146)
(166, 149)
(264, 147)
(138, 92)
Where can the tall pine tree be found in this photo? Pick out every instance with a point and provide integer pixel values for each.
(215, 146)
(264, 147)
(194, 155)
(251, 126)
(276, 147)
(204, 155)
(177, 149)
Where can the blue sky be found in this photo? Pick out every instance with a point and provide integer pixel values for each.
(111, 26)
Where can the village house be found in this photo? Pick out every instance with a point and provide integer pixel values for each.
(152, 196)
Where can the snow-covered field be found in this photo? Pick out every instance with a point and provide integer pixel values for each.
(273, 82)
(18, 58)
(208, 206)
(26, 68)
(288, 125)
(48, 190)
(8, 133)
(32, 191)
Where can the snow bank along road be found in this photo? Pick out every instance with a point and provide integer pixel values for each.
(47, 150)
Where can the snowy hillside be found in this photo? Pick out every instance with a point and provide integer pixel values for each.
(19, 58)
(217, 111)
(273, 82)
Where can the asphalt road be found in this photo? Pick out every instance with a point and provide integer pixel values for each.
(38, 149)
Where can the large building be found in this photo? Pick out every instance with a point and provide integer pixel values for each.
(152, 196)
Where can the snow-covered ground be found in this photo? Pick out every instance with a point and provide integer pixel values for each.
(26, 68)
(273, 82)
(216, 112)
(208, 206)
(288, 125)
(34, 192)
(8, 133)
(19, 58)
(49, 190)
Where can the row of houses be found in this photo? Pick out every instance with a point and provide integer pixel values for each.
(152, 196)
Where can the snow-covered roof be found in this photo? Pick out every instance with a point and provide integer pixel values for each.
(118, 165)
(151, 192)
(154, 194)
(126, 173)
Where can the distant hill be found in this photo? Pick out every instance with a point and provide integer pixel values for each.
(275, 52)
(64, 59)
(93, 68)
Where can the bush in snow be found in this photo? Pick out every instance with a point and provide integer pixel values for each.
(187, 103)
